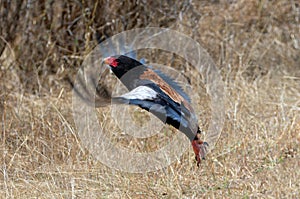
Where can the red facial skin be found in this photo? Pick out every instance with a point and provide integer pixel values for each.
(197, 144)
(111, 61)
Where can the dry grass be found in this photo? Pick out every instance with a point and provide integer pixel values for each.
(256, 45)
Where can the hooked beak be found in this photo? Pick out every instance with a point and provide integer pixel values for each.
(111, 61)
(106, 60)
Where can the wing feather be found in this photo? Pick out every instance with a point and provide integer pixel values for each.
(173, 84)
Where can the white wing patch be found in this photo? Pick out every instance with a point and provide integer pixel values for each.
(141, 93)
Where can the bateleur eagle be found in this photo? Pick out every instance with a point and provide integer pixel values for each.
(155, 92)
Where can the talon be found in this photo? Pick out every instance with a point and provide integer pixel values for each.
(200, 149)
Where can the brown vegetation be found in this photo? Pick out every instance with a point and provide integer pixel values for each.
(256, 45)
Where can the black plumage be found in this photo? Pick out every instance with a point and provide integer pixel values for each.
(157, 93)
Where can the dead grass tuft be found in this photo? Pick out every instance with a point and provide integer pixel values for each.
(256, 45)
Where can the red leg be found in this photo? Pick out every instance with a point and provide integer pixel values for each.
(200, 149)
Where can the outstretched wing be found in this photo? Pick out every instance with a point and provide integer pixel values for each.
(173, 84)
(152, 99)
